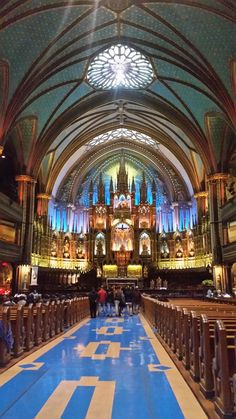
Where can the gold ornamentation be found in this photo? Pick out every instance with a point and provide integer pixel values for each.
(44, 196)
(25, 178)
(218, 176)
(202, 194)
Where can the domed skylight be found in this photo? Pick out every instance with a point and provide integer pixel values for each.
(120, 66)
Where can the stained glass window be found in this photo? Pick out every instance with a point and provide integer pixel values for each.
(122, 133)
(120, 66)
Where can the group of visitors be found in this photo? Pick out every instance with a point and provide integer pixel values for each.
(114, 301)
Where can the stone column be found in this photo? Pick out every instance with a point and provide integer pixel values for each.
(42, 203)
(26, 197)
(70, 216)
(217, 198)
(45, 233)
(175, 206)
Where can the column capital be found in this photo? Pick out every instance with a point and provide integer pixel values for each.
(202, 194)
(25, 178)
(218, 176)
(44, 196)
(1, 150)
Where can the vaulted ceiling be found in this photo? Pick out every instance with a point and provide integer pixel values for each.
(49, 113)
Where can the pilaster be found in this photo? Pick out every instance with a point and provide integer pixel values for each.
(217, 197)
(26, 197)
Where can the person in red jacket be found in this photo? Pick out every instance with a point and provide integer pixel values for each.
(102, 298)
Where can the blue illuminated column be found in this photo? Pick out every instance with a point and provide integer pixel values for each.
(70, 216)
(175, 206)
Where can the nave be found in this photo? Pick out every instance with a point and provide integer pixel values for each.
(102, 368)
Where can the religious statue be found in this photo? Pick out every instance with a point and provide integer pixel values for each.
(191, 251)
(158, 282)
(145, 251)
(54, 247)
(152, 284)
(25, 282)
(66, 248)
(165, 284)
(179, 248)
(80, 250)
(99, 248)
(165, 253)
(218, 283)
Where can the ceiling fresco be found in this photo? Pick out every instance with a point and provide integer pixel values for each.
(51, 114)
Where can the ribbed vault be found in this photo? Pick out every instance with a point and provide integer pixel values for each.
(49, 112)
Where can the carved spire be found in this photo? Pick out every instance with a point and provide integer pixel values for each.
(101, 190)
(143, 190)
(122, 177)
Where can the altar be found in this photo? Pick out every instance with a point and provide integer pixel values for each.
(123, 282)
(115, 271)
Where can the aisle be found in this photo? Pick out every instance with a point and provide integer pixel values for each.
(105, 368)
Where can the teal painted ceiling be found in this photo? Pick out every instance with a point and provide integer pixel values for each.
(49, 111)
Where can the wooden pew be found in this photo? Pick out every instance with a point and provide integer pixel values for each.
(58, 314)
(52, 319)
(196, 346)
(45, 321)
(29, 327)
(5, 352)
(207, 348)
(224, 368)
(18, 330)
(38, 324)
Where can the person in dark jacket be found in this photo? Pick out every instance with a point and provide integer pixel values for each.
(93, 297)
(110, 302)
(129, 299)
(136, 300)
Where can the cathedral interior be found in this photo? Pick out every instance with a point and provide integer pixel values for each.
(117, 209)
(117, 142)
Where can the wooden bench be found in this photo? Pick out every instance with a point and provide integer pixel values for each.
(33, 324)
(224, 368)
(29, 326)
(45, 321)
(207, 349)
(191, 335)
(38, 324)
(18, 330)
(5, 351)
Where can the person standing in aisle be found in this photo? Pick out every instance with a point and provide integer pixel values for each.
(136, 300)
(102, 298)
(93, 296)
